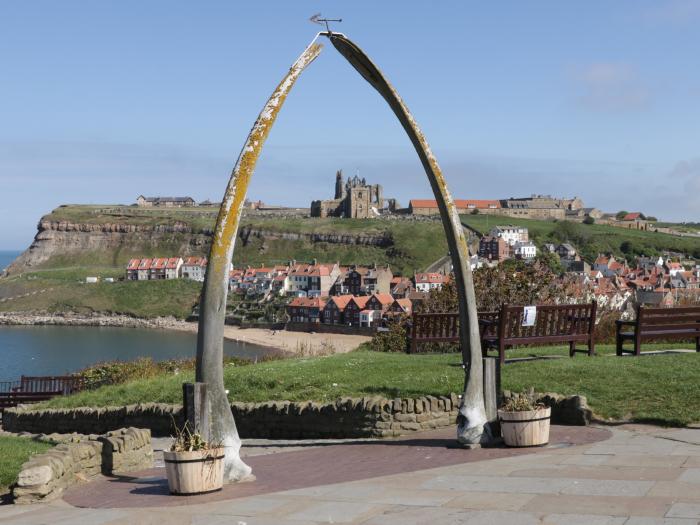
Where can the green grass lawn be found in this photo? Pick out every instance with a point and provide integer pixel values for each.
(65, 290)
(13, 452)
(662, 388)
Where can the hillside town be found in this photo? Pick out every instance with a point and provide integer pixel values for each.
(367, 296)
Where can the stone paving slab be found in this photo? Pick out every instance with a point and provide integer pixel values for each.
(319, 466)
(493, 490)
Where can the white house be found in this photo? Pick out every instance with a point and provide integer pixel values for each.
(369, 317)
(144, 270)
(525, 250)
(194, 268)
(429, 281)
(511, 234)
(172, 268)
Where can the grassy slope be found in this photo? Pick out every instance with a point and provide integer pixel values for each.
(661, 388)
(13, 452)
(65, 290)
(603, 238)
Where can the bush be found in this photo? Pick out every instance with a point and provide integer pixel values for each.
(589, 220)
(395, 339)
(116, 372)
(605, 328)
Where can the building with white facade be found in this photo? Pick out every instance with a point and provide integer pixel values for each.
(429, 281)
(194, 268)
(511, 234)
(524, 250)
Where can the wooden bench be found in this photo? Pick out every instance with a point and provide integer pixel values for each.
(572, 324)
(65, 385)
(441, 328)
(658, 323)
(554, 324)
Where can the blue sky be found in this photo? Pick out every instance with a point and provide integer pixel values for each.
(103, 101)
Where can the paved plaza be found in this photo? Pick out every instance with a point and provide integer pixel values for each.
(631, 475)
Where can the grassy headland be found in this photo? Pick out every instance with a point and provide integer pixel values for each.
(57, 283)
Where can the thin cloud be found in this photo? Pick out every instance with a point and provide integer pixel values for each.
(609, 87)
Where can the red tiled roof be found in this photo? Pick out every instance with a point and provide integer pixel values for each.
(360, 301)
(159, 264)
(341, 301)
(308, 302)
(632, 216)
(405, 304)
(430, 278)
(172, 263)
(133, 264)
(195, 261)
(384, 298)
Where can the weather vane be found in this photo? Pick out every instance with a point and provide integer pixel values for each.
(316, 19)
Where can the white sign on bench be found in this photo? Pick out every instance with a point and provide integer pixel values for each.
(529, 315)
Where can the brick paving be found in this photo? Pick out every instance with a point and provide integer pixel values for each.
(323, 465)
(629, 475)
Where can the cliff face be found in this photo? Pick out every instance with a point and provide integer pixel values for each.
(381, 241)
(112, 244)
(108, 243)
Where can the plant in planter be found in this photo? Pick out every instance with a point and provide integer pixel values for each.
(524, 422)
(193, 465)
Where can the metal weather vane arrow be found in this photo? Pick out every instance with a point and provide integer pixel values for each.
(316, 19)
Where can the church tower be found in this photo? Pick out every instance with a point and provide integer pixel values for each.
(339, 185)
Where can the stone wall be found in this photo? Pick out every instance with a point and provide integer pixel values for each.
(76, 458)
(323, 328)
(344, 418)
(126, 450)
(156, 417)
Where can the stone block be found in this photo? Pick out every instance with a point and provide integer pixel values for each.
(445, 400)
(410, 405)
(410, 426)
(434, 403)
(418, 406)
(405, 418)
(37, 475)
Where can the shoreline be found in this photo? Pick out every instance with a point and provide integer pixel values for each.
(292, 343)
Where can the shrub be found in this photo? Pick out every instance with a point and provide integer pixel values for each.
(605, 328)
(116, 372)
(395, 339)
(589, 220)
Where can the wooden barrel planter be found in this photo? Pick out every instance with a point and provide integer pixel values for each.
(528, 428)
(198, 472)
